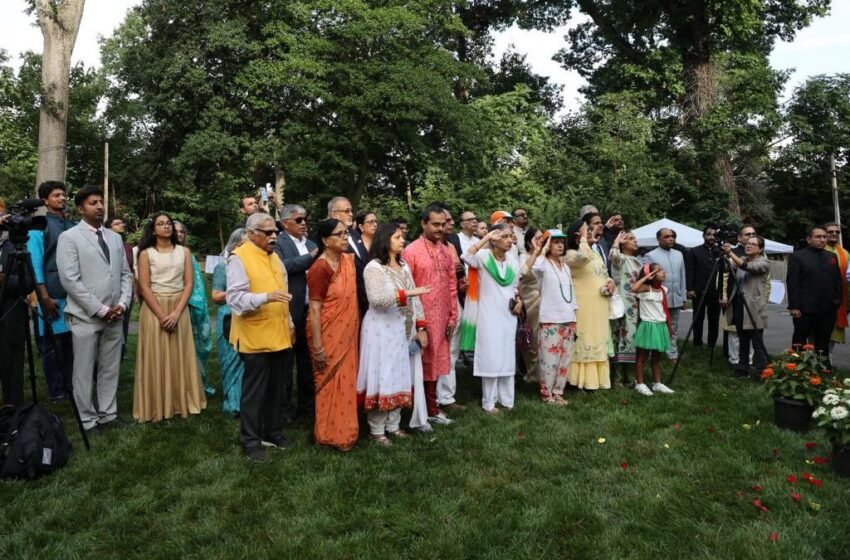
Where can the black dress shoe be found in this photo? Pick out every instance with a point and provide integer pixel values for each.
(256, 454)
(96, 430)
(117, 422)
(59, 398)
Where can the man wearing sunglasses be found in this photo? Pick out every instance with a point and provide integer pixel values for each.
(297, 254)
(520, 226)
(833, 234)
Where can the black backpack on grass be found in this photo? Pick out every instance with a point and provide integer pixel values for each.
(32, 442)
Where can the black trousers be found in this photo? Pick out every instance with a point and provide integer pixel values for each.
(816, 328)
(299, 360)
(756, 338)
(712, 309)
(260, 408)
(56, 374)
(12, 371)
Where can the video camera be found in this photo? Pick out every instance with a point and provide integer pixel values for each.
(25, 215)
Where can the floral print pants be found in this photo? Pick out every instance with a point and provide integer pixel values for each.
(555, 343)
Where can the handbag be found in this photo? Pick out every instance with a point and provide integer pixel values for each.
(616, 307)
(524, 337)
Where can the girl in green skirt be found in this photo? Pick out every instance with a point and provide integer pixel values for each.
(652, 336)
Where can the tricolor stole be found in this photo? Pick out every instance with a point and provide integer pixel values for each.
(470, 313)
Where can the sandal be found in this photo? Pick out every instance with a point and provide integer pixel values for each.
(560, 401)
(401, 434)
(381, 440)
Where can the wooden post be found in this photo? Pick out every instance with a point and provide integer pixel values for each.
(106, 180)
(834, 177)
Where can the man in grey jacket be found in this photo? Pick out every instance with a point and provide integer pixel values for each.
(97, 278)
(673, 263)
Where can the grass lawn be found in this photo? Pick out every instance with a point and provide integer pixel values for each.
(536, 482)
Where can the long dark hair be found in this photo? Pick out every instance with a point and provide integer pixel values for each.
(148, 239)
(381, 244)
(529, 236)
(324, 229)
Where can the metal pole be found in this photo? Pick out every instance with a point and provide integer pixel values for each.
(106, 180)
(834, 178)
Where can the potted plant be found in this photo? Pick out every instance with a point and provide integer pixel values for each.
(797, 381)
(833, 415)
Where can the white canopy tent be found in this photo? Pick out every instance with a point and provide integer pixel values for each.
(690, 237)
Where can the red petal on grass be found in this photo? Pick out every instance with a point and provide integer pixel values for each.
(759, 505)
(624, 466)
(520, 435)
(677, 426)
(815, 482)
(757, 488)
(791, 479)
(624, 401)
(796, 497)
(806, 476)
(810, 444)
(711, 429)
(821, 460)
(774, 537)
(776, 452)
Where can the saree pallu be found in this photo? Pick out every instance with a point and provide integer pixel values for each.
(336, 394)
(200, 318)
(167, 380)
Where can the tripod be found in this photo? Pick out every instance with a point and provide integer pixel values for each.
(21, 262)
(712, 279)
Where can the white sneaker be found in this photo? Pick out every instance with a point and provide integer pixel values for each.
(643, 389)
(440, 419)
(662, 388)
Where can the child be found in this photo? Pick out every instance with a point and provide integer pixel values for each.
(653, 331)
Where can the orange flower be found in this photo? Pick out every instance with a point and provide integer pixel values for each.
(766, 373)
(808, 347)
(814, 380)
(791, 367)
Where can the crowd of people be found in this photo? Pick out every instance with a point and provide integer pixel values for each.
(360, 318)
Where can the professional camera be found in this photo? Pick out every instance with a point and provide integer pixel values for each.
(25, 215)
(727, 233)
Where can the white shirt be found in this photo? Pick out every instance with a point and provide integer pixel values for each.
(557, 297)
(652, 306)
(466, 241)
(301, 245)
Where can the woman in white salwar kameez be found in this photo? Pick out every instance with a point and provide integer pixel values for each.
(495, 334)
(384, 379)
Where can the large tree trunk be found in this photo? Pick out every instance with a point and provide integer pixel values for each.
(357, 187)
(59, 23)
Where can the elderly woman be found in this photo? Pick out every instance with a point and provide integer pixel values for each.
(625, 269)
(529, 291)
(589, 368)
(333, 327)
(498, 306)
(167, 379)
(199, 313)
(557, 327)
(752, 273)
(384, 379)
(230, 364)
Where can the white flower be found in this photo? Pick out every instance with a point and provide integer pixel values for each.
(831, 399)
(820, 411)
(838, 413)
(847, 382)
(830, 392)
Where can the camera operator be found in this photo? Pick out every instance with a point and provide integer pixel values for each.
(14, 316)
(745, 233)
(752, 273)
(42, 248)
(699, 262)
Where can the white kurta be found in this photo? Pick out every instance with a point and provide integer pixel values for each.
(495, 332)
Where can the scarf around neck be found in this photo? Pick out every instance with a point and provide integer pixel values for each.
(493, 269)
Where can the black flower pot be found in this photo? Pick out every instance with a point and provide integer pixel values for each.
(791, 414)
(840, 459)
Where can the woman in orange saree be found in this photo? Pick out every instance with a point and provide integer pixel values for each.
(333, 333)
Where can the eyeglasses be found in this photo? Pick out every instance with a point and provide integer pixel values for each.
(520, 215)
(472, 219)
(751, 245)
(163, 224)
(340, 234)
(267, 232)
(371, 222)
(298, 220)
(344, 211)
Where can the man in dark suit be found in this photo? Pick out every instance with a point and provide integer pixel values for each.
(699, 263)
(814, 291)
(297, 254)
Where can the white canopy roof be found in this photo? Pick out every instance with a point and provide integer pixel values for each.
(690, 237)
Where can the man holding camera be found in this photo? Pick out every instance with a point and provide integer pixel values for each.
(42, 247)
(699, 263)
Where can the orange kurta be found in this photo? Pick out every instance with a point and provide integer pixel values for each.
(336, 395)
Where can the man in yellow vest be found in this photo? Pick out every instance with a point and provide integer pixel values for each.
(833, 231)
(262, 332)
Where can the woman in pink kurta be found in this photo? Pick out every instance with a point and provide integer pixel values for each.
(431, 264)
